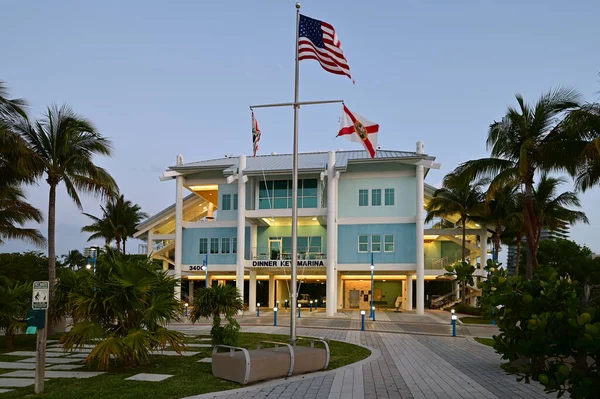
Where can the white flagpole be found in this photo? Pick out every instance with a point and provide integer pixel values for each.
(294, 285)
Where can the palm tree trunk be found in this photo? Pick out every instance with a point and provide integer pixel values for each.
(464, 238)
(124, 246)
(118, 240)
(518, 256)
(530, 230)
(51, 244)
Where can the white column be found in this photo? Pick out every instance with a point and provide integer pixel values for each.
(191, 289)
(253, 241)
(409, 291)
(483, 244)
(271, 290)
(178, 227)
(252, 294)
(150, 243)
(420, 231)
(241, 228)
(331, 275)
(210, 212)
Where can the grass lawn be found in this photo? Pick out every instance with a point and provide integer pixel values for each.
(475, 320)
(190, 377)
(485, 341)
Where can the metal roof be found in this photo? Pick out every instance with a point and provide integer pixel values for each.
(306, 161)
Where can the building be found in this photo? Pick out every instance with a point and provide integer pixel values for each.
(351, 209)
(511, 256)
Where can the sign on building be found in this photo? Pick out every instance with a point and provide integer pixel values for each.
(41, 295)
(287, 263)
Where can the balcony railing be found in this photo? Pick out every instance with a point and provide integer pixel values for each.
(266, 253)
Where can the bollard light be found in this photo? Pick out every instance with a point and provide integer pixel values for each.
(299, 306)
(454, 317)
(186, 310)
(258, 310)
(275, 316)
(362, 318)
(311, 302)
(373, 310)
(286, 304)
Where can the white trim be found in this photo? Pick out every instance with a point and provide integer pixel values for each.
(208, 225)
(285, 213)
(366, 267)
(158, 237)
(378, 220)
(381, 174)
(203, 182)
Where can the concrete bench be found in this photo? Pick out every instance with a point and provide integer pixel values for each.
(282, 360)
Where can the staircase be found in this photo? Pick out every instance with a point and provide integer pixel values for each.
(451, 298)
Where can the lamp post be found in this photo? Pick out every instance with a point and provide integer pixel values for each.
(372, 287)
(275, 316)
(362, 320)
(205, 268)
(258, 310)
(91, 252)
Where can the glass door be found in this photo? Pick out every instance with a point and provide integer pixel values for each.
(275, 245)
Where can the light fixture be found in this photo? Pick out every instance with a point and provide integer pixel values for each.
(314, 218)
(207, 187)
(384, 281)
(88, 266)
(362, 312)
(372, 267)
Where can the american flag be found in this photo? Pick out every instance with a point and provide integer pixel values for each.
(318, 41)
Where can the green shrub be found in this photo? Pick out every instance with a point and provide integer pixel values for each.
(15, 300)
(122, 309)
(463, 308)
(217, 301)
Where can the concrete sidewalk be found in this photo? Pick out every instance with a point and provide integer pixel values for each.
(401, 366)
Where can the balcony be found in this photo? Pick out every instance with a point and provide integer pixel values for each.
(266, 253)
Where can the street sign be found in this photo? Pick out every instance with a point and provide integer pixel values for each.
(41, 295)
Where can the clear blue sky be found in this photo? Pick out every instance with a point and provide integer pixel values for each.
(163, 78)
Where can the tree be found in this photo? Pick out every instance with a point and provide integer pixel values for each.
(501, 211)
(15, 300)
(460, 196)
(121, 309)
(74, 259)
(463, 273)
(15, 163)
(550, 208)
(214, 302)
(63, 145)
(23, 267)
(527, 140)
(119, 221)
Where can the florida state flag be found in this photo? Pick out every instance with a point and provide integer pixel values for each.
(255, 134)
(359, 130)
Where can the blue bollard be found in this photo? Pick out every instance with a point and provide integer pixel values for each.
(493, 320)
(299, 311)
(454, 325)
(373, 310)
(274, 316)
(258, 310)
(362, 324)
(311, 306)
(186, 310)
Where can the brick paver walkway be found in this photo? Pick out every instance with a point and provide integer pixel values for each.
(401, 366)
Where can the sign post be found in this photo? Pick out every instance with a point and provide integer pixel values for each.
(39, 302)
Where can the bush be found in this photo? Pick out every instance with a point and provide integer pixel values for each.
(549, 327)
(121, 309)
(214, 302)
(463, 308)
(15, 300)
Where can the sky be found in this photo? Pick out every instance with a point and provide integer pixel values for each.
(166, 78)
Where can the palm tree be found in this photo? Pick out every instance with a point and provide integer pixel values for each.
(459, 196)
(63, 145)
(15, 300)
(527, 140)
(551, 208)
(74, 259)
(501, 211)
(119, 221)
(214, 302)
(15, 164)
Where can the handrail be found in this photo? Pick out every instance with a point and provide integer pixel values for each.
(277, 344)
(232, 350)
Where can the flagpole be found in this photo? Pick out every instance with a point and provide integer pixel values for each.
(294, 276)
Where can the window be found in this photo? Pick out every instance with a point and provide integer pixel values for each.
(214, 245)
(376, 197)
(375, 243)
(363, 197)
(235, 202)
(226, 202)
(203, 246)
(277, 194)
(314, 245)
(389, 196)
(310, 245)
(234, 245)
(388, 243)
(225, 245)
(363, 243)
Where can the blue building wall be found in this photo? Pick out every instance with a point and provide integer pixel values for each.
(404, 243)
(231, 214)
(191, 245)
(405, 197)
